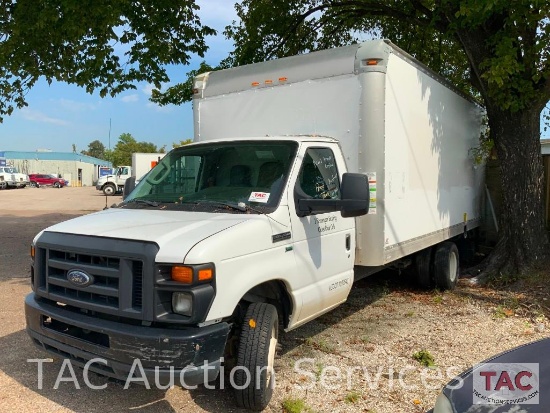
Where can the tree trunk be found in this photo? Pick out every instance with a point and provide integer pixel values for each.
(523, 239)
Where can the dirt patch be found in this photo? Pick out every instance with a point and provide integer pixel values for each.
(358, 357)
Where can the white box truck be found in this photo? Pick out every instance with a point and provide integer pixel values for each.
(144, 162)
(309, 172)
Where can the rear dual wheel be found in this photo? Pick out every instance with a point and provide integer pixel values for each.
(446, 265)
(438, 266)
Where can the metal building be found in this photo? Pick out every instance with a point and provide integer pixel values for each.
(78, 169)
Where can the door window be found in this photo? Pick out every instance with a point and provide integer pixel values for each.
(318, 176)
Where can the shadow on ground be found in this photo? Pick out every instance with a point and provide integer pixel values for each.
(17, 235)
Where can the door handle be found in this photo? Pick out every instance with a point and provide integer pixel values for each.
(348, 242)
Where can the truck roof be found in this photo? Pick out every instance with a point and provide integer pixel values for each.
(345, 60)
(294, 138)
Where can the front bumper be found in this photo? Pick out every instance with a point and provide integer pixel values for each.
(187, 357)
(98, 187)
(19, 184)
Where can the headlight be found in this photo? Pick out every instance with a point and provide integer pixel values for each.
(182, 303)
(443, 405)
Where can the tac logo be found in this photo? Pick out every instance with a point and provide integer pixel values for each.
(506, 383)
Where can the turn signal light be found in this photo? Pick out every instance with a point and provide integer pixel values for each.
(32, 251)
(182, 274)
(205, 274)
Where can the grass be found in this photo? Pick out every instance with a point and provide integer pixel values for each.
(501, 312)
(319, 371)
(294, 405)
(352, 397)
(438, 299)
(321, 345)
(424, 358)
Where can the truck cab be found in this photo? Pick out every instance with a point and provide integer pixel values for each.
(114, 183)
(7, 179)
(10, 177)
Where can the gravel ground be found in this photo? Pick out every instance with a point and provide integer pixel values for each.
(358, 357)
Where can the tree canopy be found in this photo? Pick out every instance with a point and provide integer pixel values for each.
(121, 154)
(100, 45)
(95, 149)
(495, 49)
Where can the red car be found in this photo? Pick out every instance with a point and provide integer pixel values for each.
(44, 179)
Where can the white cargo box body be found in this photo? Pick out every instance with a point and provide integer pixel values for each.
(396, 121)
(144, 162)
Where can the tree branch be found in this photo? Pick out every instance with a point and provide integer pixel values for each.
(358, 9)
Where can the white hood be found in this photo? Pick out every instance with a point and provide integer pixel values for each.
(175, 232)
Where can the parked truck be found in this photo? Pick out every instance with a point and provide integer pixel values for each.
(112, 184)
(11, 177)
(308, 173)
(142, 163)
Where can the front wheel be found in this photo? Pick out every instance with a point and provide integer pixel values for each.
(109, 190)
(255, 374)
(446, 265)
(3, 185)
(57, 185)
(34, 184)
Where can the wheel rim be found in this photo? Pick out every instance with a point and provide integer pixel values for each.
(3, 185)
(271, 355)
(453, 267)
(109, 190)
(56, 184)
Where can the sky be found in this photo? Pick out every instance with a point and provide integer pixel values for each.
(60, 115)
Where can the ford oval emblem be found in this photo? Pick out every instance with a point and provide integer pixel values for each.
(79, 278)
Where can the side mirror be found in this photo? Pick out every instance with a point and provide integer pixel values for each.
(355, 195)
(354, 201)
(129, 186)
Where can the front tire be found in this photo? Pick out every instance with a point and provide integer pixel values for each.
(34, 184)
(255, 374)
(109, 189)
(446, 265)
(56, 185)
(3, 185)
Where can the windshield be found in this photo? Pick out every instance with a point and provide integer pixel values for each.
(248, 174)
(9, 170)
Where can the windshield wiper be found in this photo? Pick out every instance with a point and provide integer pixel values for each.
(235, 207)
(144, 201)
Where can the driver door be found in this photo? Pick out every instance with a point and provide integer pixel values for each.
(324, 244)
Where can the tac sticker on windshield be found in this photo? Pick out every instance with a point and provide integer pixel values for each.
(259, 197)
